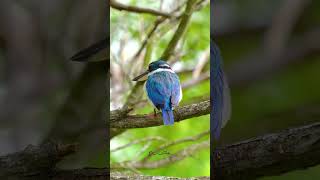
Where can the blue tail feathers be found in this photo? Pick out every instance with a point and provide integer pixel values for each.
(167, 116)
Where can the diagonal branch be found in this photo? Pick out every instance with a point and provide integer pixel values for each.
(116, 5)
(141, 121)
(177, 142)
(180, 31)
(269, 155)
(138, 141)
(34, 159)
(156, 24)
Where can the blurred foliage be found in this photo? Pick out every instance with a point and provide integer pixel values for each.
(195, 42)
(276, 102)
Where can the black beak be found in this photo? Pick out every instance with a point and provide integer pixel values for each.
(140, 76)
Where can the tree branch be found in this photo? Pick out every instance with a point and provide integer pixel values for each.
(118, 176)
(141, 121)
(179, 32)
(79, 174)
(269, 155)
(172, 158)
(116, 5)
(148, 139)
(304, 45)
(177, 142)
(34, 159)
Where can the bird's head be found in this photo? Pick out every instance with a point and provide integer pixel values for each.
(160, 64)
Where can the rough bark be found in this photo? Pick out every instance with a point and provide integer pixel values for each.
(119, 119)
(34, 159)
(269, 155)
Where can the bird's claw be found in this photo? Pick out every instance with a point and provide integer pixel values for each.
(154, 113)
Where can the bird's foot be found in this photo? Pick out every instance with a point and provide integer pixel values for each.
(154, 113)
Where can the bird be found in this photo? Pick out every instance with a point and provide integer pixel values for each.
(98, 51)
(219, 93)
(163, 89)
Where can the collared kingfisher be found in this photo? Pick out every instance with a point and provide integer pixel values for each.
(163, 89)
(219, 93)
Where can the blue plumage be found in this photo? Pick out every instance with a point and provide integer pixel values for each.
(163, 89)
(219, 93)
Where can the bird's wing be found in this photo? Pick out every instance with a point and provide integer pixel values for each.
(159, 89)
(176, 95)
(219, 93)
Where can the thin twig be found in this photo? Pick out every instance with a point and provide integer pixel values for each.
(184, 153)
(178, 142)
(138, 142)
(204, 59)
(192, 82)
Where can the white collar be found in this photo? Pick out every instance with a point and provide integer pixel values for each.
(160, 70)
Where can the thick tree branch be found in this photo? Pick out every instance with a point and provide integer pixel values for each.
(118, 120)
(34, 159)
(269, 155)
(81, 174)
(116, 5)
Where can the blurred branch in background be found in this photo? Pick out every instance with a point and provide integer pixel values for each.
(184, 153)
(147, 163)
(169, 51)
(269, 155)
(136, 91)
(283, 23)
(149, 139)
(261, 65)
(177, 142)
(87, 107)
(116, 5)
